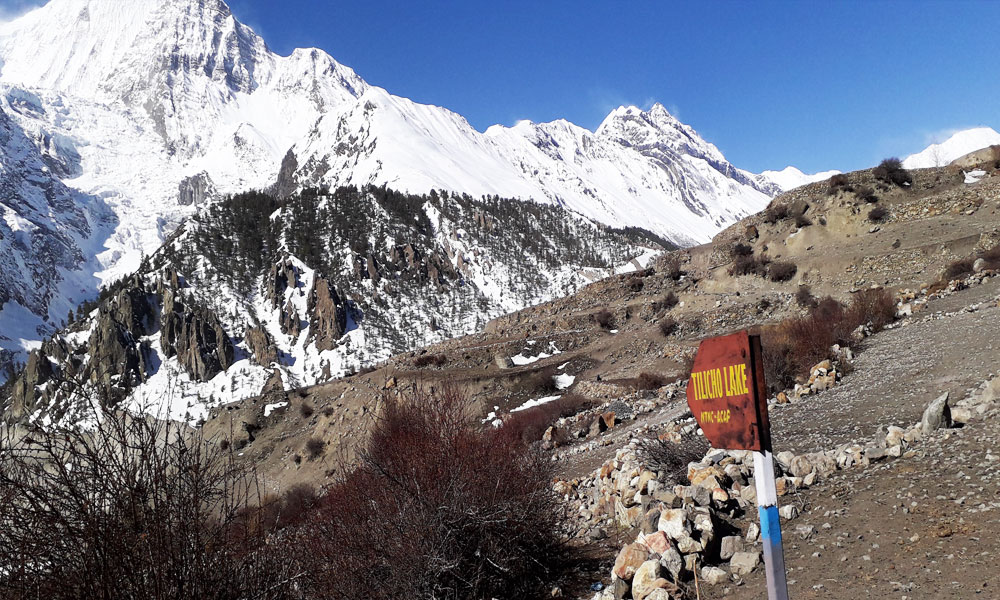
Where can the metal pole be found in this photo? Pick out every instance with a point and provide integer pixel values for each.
(770, 525)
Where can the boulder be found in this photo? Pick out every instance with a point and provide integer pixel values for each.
(628, 561)
(657, 543)
(645, 579)
(743, 563)
(674, 522)
(672, 562)
(936, 415)
(731, 544)
(714, 575)
(979, 265)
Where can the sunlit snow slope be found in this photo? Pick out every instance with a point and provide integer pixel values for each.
(956, 146)
(142, 110)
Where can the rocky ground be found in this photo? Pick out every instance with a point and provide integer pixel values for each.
(875, 507)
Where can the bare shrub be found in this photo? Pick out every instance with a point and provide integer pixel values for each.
(959, 269)
(635, 284)
(775, 212)
(672, 267)
(804, 297)
(604, 318)
(672, 459)
(306, 410)
(315, 447)
(991, 256)
(439, 507)
(781, 271)
(668, 301)
(667, 326)
(838, 182)
(748, 265)
(891, 171)
(650, 381)
(430, 360)
(134, 508)
(878, 214)
(865, 193)
(539, 381)
(741, 249)
(875, 307)
(793, 346)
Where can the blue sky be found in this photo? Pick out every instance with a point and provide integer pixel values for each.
(818, 85)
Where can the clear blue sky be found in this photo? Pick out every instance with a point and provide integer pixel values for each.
(818, 85)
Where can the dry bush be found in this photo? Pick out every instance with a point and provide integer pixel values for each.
(306, 410)
(878, 214)
(781, 271)
(540, 381)
(439, 507)
(650, 381)
(959, 269)
(672, 267)
(991, 256)
(749, 265)
(635, 284)
(793, 346)
(667, 326)
(804, 297)
(838, 182)
(874, 306)
(775, 212)
(741, 249)
(866, 194)
(670, 459)
(315, 447)
(668, 301)
(604, 318)
(428, 360)
(132, 509)
(891, 171)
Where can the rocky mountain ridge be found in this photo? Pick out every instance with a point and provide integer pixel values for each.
(210, 110)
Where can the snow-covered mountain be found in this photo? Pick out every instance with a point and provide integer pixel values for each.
(791, 177)
(956, 146)
(142, 111)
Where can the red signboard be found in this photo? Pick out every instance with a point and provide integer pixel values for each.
(726, 393)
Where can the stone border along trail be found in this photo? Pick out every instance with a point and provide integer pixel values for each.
(898, 372)
(976, 324)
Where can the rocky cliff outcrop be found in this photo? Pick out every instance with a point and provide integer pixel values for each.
(261, 346)
(328, 316)
(195, 336)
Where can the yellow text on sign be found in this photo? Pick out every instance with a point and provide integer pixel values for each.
(720, 383)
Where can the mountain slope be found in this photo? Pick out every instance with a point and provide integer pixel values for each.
(158, 107)
(313, 287)
(956, 146)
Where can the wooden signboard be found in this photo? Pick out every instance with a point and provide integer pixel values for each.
(726, 393)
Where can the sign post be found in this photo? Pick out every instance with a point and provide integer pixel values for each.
(728, 398)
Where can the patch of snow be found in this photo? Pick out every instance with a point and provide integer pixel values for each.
(564, 380)
(270, 408)
(974, 176)
(534, 403)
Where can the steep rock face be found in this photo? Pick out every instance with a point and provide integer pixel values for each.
(196, 190)
(283, 275)
(25, 390)
(196, 337)
(328, 317)
(261, 346)
(117, 360)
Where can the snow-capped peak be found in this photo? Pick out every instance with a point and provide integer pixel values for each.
(956, 146)
(790, 177)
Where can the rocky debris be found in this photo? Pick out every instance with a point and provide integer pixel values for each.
(261, 346)
(328, 315)
(743, 563)
(195, 336)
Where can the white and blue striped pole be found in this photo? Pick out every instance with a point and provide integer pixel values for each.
(770, 525)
